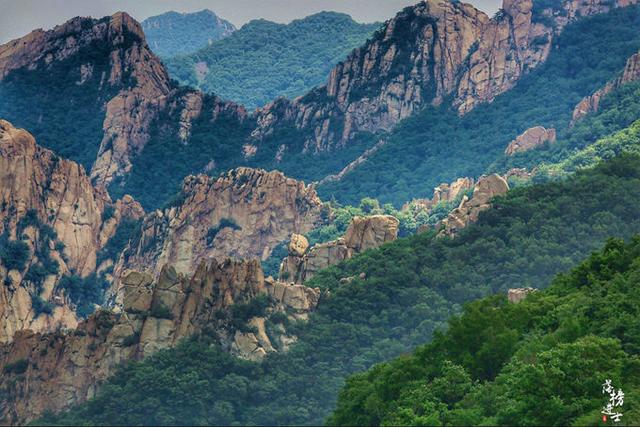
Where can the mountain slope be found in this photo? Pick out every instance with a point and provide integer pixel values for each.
(264, 60)
(544, 359)
(143, 134)
(174, 33)
(436, 145)
(408, 289)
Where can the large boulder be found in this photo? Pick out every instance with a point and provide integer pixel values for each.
(530, 139)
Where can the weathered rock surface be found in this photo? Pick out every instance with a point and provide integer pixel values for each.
(363, 233)
(591, 103)
(139, 80)
(518, 294)
(443, 193)
(486, 189)
(530, 139)
(129, 114)
(242, 214)
(430, 52)
(66, 368)
(426, 53)
(34, 181)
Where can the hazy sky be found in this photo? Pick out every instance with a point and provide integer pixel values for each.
(19, 17)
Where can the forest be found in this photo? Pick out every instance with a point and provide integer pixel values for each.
(542, 361)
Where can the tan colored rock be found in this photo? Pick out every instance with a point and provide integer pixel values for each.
(484, 191)
(591, 103)
(298, 245)
(363, 233)
(370, 232)
(443, 193)
(518, 294)
(244, 213)
(530, 139)
(66, 368)
(62, 197)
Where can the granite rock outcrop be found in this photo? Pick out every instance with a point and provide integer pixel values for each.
(531, 139)
(64, 368)
(49, 208)
(362, 234)
(484, 191)
(591, 103)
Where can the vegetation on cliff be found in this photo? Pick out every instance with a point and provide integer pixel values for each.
(410, 287)
(436, 145)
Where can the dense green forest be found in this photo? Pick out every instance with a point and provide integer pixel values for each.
(436, 145)
(264, 60)
(542, 361)
(411, 287)
(174, 33)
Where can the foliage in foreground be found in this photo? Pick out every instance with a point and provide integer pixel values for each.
(539, 362)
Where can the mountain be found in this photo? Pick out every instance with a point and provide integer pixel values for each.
(59, 236)
(383, 303)
(264, 60)
(174, 33)
(503, 360)
(393, 127)
(436, 144)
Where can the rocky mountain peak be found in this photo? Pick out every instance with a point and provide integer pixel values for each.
(243, 213)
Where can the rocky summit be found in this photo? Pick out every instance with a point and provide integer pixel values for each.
(244, 214)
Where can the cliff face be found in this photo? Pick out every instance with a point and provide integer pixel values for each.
(428, 52)
(111, 59)
(49, 208)
(412, 60)
(485, 189)
(363, 233)
(242, 214)
(57, 370)
(137, 75)
(591, 103)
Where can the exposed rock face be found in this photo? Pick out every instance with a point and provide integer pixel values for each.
(430, 52)
(443, 193)
(363, 233)
(139, 85)
(130, 112)
(530, 139)
(243, 214)
(518, 294)
(591, 103)
(412, 60)
(505, 51)
(66, 368)
(486, 189)
(427, 52)
(34, 182)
